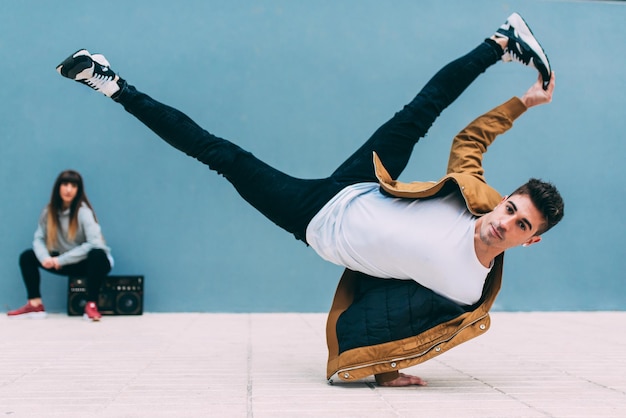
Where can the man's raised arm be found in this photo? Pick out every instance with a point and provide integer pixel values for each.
(471, 143)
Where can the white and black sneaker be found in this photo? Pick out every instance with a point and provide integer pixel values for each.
(523, 47)
(92, 70)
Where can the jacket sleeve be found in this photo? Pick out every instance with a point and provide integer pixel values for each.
(468, 147)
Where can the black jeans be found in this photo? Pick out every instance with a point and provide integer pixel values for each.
(94, 269)
(292, 202)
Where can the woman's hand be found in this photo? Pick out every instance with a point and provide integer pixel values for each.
(51, 263)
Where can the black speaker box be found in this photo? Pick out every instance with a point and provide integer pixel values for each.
(119, 295)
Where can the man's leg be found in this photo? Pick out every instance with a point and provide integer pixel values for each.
(394, 141)
(287, 201)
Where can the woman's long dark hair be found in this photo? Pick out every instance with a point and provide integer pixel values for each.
(55, 207)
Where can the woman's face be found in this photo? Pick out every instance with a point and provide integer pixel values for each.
(67, 191)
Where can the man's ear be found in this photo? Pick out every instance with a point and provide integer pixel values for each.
(532, 240)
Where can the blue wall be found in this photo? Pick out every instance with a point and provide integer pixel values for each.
(300, 84)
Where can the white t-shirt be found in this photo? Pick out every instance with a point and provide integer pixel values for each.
(430, 240)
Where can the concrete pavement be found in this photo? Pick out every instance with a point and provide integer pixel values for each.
(272, 365)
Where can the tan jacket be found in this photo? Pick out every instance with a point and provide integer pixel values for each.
(466, 173)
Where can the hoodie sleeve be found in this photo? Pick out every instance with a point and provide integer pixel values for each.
(39, 240)
(93, 238)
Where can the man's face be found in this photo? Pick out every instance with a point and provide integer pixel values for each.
(515, 221)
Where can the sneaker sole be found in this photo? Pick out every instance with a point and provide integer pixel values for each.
(526, 34)
(86, 318)
(30, 315)
(77, 67)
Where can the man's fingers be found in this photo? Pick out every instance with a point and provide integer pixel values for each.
(405, 380)
(550, 87)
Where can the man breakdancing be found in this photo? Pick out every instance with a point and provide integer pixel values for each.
(423, 260)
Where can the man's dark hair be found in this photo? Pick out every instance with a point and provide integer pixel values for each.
(546, 199)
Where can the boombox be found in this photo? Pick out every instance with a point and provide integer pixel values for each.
(119, 295)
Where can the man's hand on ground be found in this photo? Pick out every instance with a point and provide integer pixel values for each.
(536, 95)
(404, 380)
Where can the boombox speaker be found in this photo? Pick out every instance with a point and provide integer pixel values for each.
(119, 295)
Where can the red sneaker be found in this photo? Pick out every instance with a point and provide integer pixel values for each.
(91, 312)
(28, 311)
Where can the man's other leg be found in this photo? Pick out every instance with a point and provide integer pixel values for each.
(287, 201)
(394, 141)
